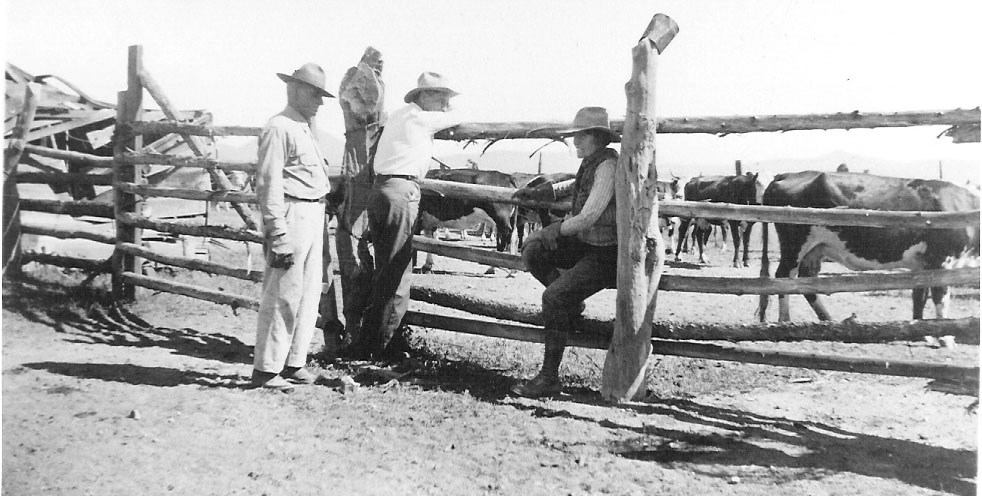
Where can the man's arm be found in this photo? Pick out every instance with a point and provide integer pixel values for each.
(269, 181)
(596, 203)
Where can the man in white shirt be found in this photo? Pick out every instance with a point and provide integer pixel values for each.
(403, 157)
(291, 183)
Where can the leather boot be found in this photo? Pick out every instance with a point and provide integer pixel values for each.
(546, 382)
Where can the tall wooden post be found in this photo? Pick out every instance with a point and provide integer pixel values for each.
(11, 197)
(640, 256)
(129, 109)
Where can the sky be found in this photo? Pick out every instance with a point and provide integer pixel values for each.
(517, 60)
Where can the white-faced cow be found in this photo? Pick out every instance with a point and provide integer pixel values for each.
(435, 209)
(740, 190)
(804, 247)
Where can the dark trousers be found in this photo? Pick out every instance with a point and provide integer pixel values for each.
(354, 254)
(392, 212)
(588, 269)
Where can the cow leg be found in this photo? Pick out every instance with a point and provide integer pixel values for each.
(703, 232)
(919, 297)
(682, 235)
(810, 266)
(941, 298)
(746, 243)
(735, 228)
(428, 264)
(784, 269)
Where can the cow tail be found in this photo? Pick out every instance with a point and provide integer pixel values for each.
(765, 271)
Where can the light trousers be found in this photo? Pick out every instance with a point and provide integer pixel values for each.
(288, 312)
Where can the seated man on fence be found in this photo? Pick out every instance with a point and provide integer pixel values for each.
(583, 245)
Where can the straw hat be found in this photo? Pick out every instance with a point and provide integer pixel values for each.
(310, 74)
(589, 118)
(430, 81)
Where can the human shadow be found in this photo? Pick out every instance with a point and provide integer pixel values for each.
(741, 438)
(139, 375)
(90, 316)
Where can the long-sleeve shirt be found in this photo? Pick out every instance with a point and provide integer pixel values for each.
(596, 203)
(406, 145)
(290, 165)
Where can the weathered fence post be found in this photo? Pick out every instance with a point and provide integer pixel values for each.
(640, 254)
(129, 109)
(11, 198)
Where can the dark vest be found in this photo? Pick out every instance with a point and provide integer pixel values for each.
(604, 231)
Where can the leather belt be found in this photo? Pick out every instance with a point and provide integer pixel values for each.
(385, 177)
(305, 200)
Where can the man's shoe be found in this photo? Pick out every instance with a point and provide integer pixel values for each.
(538, 387)
(269, 380)
(299, 375)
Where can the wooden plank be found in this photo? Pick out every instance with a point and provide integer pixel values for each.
(95, 116)
(197, 292)
(837, 283)
(723, 125)
(180, 161)
(196, 130)
(54, 232)
(192, 263)
(64, 178)
(85, 264)
(69, 155)
(639, 265)
(176, 227)
(852, 331)
(74, 208)
(478, 255)
(186, 194)
(864, 365)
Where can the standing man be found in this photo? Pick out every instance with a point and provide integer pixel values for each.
(291, 183)
(584, 245)
(361, 97)
(403, 157)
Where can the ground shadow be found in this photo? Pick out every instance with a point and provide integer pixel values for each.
(139, 375)
(90, 316)
(741, 438)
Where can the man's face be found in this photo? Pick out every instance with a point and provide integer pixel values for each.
(585, 144)
(434, 101)
(305, 99)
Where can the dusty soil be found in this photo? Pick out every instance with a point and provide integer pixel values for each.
(98, 402)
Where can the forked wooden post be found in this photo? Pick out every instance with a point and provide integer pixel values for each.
(11, 198)
(640, 256)
(129, 109)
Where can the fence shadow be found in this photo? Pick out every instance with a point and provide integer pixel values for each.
(90, 316)
(741, 439)
(138, 375)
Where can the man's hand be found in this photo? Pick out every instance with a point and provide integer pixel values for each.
(281, 255)
(548, 236)
(281, 260)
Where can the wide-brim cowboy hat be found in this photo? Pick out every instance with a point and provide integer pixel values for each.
(429, 81)
(311, 75)
(588, 118)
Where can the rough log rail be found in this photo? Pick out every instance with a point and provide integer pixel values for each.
(840, 283)
(69, 155)
(186, 194)
(723, 125)
(852, 331)
(134, 158)
(141, 127)
(193, 291)
(192, 263)
(84, 264)
(37, 230)
(90, 208)
(64, 178)
(174, 227)
(904, 368)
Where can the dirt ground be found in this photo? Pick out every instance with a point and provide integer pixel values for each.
(151, 400)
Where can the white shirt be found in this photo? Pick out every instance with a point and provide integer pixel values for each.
(406, 145)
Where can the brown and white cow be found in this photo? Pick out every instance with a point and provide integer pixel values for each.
(743, 189)
(436, 209)
(804, 247)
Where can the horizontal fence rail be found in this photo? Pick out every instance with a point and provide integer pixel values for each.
(75, 208)
(176, 227)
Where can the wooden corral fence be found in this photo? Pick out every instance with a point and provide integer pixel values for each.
(131, 191)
